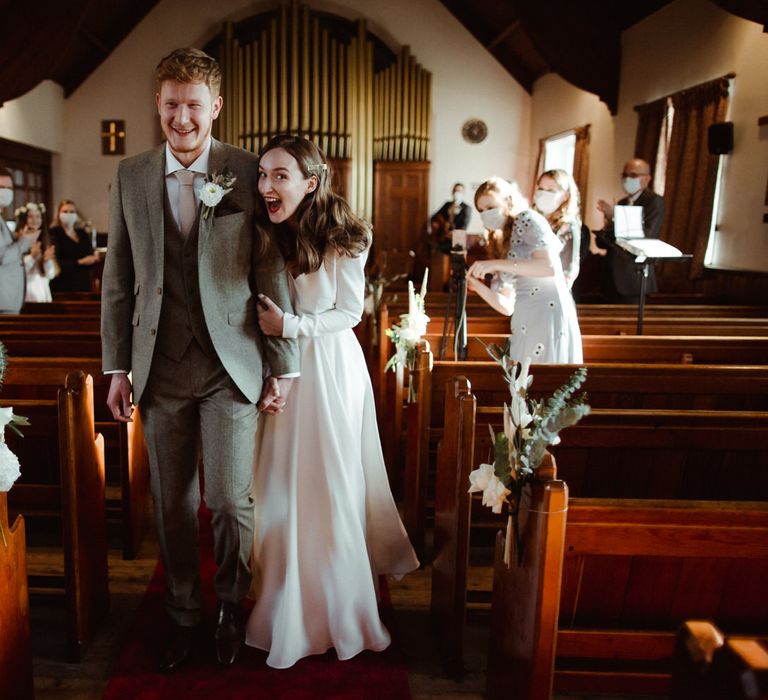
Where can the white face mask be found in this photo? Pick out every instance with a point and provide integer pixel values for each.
(6, 196)
(458, 197)
(493, 218)
(631, 185)
(68, 218)
(545, 201)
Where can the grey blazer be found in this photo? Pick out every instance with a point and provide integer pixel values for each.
(12, 273)
(230, 274)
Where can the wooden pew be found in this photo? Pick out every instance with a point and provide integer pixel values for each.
(77, 307)
(642, 349)
(709, 666)
(15, 645)
(50, 323)
(43, 343)
(625, 386)
(63, 477)
(633, 571)
(40, 378)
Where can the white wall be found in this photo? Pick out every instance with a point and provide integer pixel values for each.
(467, 82)
(37, 118)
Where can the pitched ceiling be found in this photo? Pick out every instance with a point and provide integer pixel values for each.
(581, 41)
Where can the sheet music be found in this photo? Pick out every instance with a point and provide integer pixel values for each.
(628, 221)
(649, 248)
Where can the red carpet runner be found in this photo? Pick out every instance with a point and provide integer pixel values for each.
(369, 676)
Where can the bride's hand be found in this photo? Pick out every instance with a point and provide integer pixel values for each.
(270, 316)
(274, 394)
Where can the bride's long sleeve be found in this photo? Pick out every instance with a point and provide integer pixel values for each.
(347, 310)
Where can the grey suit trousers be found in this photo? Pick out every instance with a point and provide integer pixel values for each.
(187, 405)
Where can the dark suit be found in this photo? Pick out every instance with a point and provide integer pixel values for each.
(624, 282)
(446, 221)
(180, 314)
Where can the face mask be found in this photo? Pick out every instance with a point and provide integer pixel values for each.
(545, 201)
(6, 196)
(493, 218)
(68, 218)
(631, 185)
(458, 197)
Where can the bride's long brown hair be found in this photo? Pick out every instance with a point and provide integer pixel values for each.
(325, 220)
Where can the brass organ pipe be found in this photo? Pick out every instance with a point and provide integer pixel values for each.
(315, 129)
(413, 99)
(427, 115)
(368, 209)
(283, 68)
(343, 123)
(406, 114)
(325, 94)
(294, 120)
(264, 94)
(273, 78)
(305, 49)
(353, 126)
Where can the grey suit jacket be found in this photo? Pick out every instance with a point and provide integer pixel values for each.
(12, 273)
(230, 274)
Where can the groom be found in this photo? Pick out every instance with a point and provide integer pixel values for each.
(179, 313)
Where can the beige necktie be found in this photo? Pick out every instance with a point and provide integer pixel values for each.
(187, 204)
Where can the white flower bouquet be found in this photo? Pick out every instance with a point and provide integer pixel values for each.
(214, 190)
(407, 334)
(530, 427)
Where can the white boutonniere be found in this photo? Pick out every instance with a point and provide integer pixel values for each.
(218, 185)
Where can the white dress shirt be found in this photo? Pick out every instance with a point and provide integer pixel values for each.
(172, 186)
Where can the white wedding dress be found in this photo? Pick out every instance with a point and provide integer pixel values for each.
(326, 522)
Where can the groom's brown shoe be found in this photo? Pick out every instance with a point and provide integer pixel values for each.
(178, 646)
(230, 632)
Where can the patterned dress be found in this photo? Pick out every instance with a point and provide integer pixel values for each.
(544, 323)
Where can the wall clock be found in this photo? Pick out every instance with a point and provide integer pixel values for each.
(474, 130)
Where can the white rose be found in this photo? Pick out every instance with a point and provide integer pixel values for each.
(9, 467)
(211, 194)
(495, 494)
(480, 477)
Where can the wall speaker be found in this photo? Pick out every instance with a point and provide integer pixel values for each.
(720, 138)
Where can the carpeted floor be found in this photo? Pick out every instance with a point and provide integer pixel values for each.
(369, 676)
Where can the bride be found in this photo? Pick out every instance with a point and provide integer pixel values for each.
(326, 522)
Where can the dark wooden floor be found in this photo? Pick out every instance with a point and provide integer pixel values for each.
(57, 680)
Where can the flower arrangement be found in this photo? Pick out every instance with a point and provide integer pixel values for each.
(407, 334)
(29, 206)
(530, 426)
(9, 462)
(214, 190)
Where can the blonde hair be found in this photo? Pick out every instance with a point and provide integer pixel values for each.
(568, 213)
(509, 193)
(189, 66)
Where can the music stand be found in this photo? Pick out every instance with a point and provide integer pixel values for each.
(644, 252)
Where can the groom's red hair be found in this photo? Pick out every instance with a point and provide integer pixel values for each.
(189, 66)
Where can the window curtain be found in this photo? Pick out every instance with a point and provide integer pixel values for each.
(650, 118)
(692, 171)
(581, 163)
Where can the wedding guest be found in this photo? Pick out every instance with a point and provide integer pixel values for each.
(12, 251)
(454, 214)
(557, 199)
(326, 523)
(74, 251)
(527, 280)
(40, 262)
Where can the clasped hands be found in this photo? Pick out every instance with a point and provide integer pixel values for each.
(276, 389)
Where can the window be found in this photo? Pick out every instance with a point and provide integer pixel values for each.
(31, 169)
(559, 151)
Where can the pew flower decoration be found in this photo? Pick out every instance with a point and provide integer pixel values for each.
(407, 334)
(530, 427)
(213, 191)
(9, 462)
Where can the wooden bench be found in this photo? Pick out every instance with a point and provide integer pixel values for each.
(643, 349)
(63, 478)
(50, 323)
(709, 666)
(126, 453)
(15, 645)
(625, 386)
(43, 343)
(633, 570)
(67, 307)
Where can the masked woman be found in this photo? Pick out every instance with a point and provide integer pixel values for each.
(526, 277)
(74, 251)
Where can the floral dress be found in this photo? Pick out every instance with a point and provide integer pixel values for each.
(544, 323)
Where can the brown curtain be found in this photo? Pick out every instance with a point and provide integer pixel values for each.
(650, 118)
(692, 171)
(581, 163)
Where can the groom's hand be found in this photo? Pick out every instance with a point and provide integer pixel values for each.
(274, 394)
(270, 316)
(119, 398)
